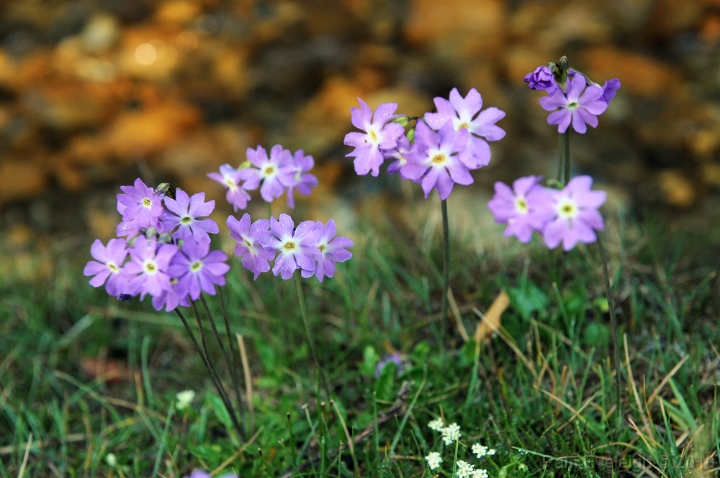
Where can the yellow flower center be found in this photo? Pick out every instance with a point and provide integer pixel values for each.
(195, 266)
(147, 202)
(289, 246)
(521, 205)
(439, 159)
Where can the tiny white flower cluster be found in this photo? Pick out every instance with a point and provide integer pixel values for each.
(450, 433)
(184, 399)
(434, 460)
(481, 451)
(466, 470)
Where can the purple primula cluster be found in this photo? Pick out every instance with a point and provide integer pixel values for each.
(439, 152)
(566, 216)
(162, 249)
(311, 246)
(281, 171)
(573, 98)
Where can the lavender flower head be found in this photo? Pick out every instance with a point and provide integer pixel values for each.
(464, 113)
(390, 358)
(141, 208)
(524, 208)
(186, 212)
(275, 171)
(254, 256)
(232, 179)
(541, 79)
(580, 106)
(302, 180)
(380, 135)
(198, 269)
(436, 162)
(296, 247)
(575, 214)
(331, 250)
(150, 263)
(108, 266)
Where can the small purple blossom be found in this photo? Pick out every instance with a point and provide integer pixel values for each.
(302, 180)
(576, 216)
(197, 473)
(296, 247)
(609, 89)
(464, 113)
(254, 256)
(108, 266)
(541, 79)
(380, 135)
(524, 208)
(232, 179)
(150, 263)
(390, 358)
(186, 212)
(331, 250)
(436, 164)
(276, 171)
(198, 268)
(573, 107)
(141, 208)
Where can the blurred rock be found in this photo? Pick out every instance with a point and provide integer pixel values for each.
(20, 180)
(100, 33)
(180, 12)
(669, 17)
(677, 189)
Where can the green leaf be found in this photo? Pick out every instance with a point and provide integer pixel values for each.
(217, 406)
(528, 299)
(370, 361)
(384, 387)
(596, 335)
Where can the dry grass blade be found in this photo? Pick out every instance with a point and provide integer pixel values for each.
(25, 456)
(248, 381)
(237, 453)
(456, 316)
(491, 320)
(509, 343)
(667, 378)
(631, 381)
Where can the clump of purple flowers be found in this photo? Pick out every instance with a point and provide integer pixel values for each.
(439, 152)
(279, 172)
(572, 97)
(568, 216)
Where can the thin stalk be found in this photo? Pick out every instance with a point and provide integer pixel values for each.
(311, 341)
(213, 372)
(564, 160)
(226, 355)
(613, 324)
(446, 261)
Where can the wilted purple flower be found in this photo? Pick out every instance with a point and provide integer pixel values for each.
(609, 89)
(296, 248)
(390, 358)
(332, 249)
(204, 474)
(185, 213)
(541, 79)
(255, 257)
(435, 163)
(232, 178)
(464, 113)
(151, 263)
(198, 268)
(580, 110)
(380, 135)
(276, 172)
(141, 208)
(108, 266)
(575, 214)
(302, 180)
(399, 153)
(524, 208)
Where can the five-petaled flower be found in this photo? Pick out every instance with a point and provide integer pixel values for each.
(579, 106)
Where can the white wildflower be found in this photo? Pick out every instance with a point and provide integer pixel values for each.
(436, 424)
(479, 450)
(434, 459)
(480, 473)
(464, 469)
(451, 433)
(111, 460)
(184, 399)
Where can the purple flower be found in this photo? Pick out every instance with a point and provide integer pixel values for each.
(575, 216)
(303, 181)
(524, 208)
(255, 257)
(204, 474)
(150, 262)
(580, 110)
(296, 247)
(380, 135)
(168, 298)
(435, 164)
(231, 178)
(198, 268)
(332, 249)
(464, 113)
(541, 79)
(186, 211)
(400, 154)
(390, 358)
(609, 89)
(108, 266)
(141, 208)
(276, 172)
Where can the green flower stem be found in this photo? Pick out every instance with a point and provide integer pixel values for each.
(211, 369)
(313, 350)
(229, 362)
(446, 261)
(614, 325)
(564, 160)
